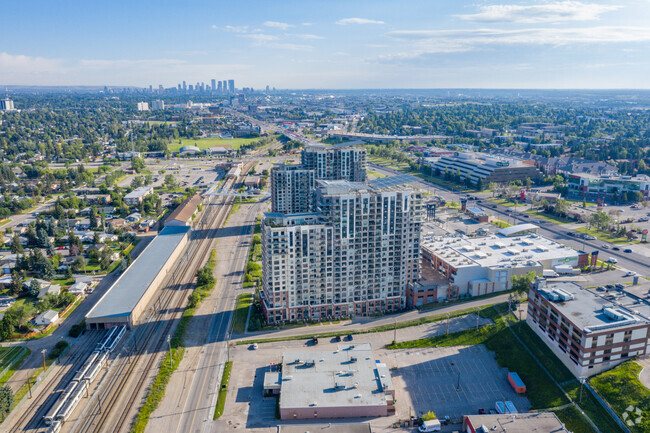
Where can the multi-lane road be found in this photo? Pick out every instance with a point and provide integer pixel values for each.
(633, 261)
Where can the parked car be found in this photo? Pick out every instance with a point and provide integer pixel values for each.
(254, 346)
(314, 340)
(619, 286)
(589, 237)
(350, 338)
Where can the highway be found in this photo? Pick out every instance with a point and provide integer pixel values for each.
(630, 261)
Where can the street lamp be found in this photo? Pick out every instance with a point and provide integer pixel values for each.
(169, 343)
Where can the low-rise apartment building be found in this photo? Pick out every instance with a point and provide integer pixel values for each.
(589, 332)
(135, 197)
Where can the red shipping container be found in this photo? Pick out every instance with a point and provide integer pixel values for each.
(516, 383)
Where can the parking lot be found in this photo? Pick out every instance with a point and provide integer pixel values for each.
(424, 379)
(452, 381)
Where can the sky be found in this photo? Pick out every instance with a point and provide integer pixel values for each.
(328, 44)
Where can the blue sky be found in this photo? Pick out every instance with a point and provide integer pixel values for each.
(328, 44)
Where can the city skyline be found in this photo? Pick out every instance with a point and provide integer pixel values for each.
(443, 44)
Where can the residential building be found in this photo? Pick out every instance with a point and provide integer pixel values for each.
(346, 383)
(336, 163)
(158, 105)
(135, 197)
(484, 167)
(355, 255)
(292, 188)
(482, 265)
(6, 105)
(46, 318)
(143, 106)
(231, 86)
(589, 332)
(609, 188)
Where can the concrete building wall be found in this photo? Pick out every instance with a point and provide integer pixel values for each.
(155, 285)
(333, 412)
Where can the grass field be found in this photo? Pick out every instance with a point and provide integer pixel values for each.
(223, 390)
(603, 236)
(375, 174)
(241, 312)
(622, 388)
(205, 143)
(550, 218)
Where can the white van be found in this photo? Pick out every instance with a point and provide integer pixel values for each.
(431, 425)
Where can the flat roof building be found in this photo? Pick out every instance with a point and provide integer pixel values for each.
(344, 383)
(482, 265)
(135, 197)
(609, 188)
(360, 427)
(126, 300)
(589, 332)
(543, 422)
(487, 168)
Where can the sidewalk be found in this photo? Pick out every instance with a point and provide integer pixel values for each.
(365, 323)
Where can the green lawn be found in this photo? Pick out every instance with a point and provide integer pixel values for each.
(223, 390)
(241, 312)
(621, 388)
(205, 143)
(549, 217)
(574, 421)
(603, 236)
(375, 174)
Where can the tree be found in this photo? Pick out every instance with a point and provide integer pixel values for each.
(34, 288)
(43, 239)
(561, 207)
(6, 330)
(6, 400)
(204, 277)
(48, 269)
(16, 247)
(93, 218)
(68, 272)
(79, 264)
(521, 284)
(170, 181)
(137, 164)
(16, 283)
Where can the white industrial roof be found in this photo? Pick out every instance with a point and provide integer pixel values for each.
(494, 250)
(512, 230)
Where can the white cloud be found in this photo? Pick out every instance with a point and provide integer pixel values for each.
(305, 36)
(277, 24)
(232, 29)
(540, 13)
(260, 37)
(346, 21)
(535, 36)
(21, 69)
(288, 46)
(306, 24)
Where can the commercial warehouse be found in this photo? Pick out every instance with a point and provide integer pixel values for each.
(344, 383)
(128, 297)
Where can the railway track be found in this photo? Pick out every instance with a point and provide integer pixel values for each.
(112, 410)
(45, 395)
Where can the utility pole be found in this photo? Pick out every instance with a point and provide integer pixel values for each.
(447, 323)
(478, 316)
(395, 332)
(29, 385)
(43, 352)
(582, 384)
(169, 343)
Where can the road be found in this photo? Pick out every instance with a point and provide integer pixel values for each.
(632, 261)
(190, 399)
(364, 323)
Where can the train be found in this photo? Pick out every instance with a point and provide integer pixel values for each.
(78, 386)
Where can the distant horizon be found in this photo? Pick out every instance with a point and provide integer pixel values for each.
(359, 89)
(309, 44)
